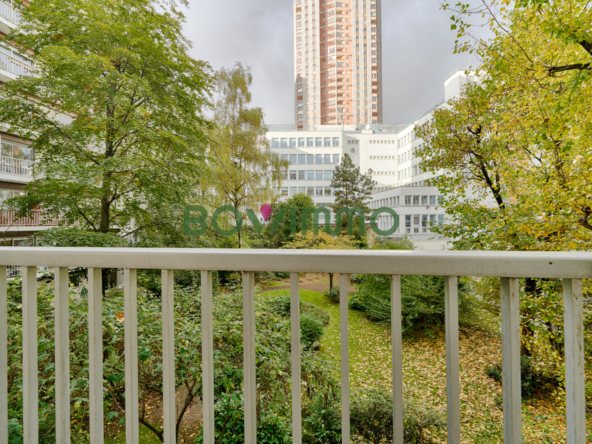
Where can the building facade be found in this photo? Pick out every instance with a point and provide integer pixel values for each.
(338, 63)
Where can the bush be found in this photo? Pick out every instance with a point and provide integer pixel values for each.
(282, 306)
(311, 330)
(333, 294)
(322, 420)
(531, 380)
(372, 418)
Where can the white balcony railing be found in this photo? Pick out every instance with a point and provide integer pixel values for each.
(15, 66)
(9, 12)
(509, 266)
(15, 166)
(10, 219)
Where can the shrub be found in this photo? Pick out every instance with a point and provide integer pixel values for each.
(372, 418)
(322, 420)
(531, 380)
(311, 330)
(282, 306)
(333, 294)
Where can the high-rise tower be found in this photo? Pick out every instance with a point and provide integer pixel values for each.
(338, 62)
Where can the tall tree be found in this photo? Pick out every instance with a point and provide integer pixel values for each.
(243, 172)
(353, 187)
(114, 112)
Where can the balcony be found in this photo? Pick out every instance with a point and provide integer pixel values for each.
(9, 219)
(18, 167)
(509, 266)
(9, 15)
(13, 65)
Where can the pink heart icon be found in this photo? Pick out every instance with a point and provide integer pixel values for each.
(266, 211)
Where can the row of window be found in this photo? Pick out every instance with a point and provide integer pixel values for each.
(310, 159)
(408, 200)
(302, 142)
(311, 191)
(382, 157)
(421, 223)
(309, 175)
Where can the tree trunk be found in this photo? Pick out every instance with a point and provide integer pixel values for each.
(105, 205)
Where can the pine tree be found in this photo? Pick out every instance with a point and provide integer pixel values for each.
(353, 187)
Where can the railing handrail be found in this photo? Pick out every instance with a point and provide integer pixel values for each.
(509, 264)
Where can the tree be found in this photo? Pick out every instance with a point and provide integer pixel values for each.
(353, 187)
(297, 203)
(116, 120)
(243, 171)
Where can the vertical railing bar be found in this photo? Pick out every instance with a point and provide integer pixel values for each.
(131, 356)
(344, 338)
(3, 356)
(452, 360)
(62, 354)
(250, 371)
(575, 379)
(510, 313)
(397, 357)
(95, 354)
(207, 343)
(30, 363)
(295, 351)
(168, 357)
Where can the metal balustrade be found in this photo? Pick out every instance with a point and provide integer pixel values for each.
(9, 219)
(15, 166)
(509, 266)
(15, 66)
(9, 12)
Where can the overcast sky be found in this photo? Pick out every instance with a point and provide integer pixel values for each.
(417, 51)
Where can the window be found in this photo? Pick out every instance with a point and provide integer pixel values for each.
(293, 174)
(310, 175)
(408, 223)
(335, 158)
(275, 143)
(301, 142)
(284, 191)
(432, 200)
(327, 174)
(319, 191)
(432, 220)
(293, 159)
(293, 190)
(424, 223)
(327, 191)
(327, 158)
(424, 200)
(440, 200)
(415, 200)
(407, 200)
(284, 157)
(310, 191)
(319, 158)
(310, 158)
(284, 175)
(301, 190)
(327, 141)
(416, 223)
(309, 142)
(440, 219)
(335, 141)
(15, 151)
(302, 159)
(319, 175)
(284, 143)
(301, 174)
(318, 141)
(292, 143)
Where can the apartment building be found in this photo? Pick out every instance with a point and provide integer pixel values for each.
(338, 63)
(16, 155)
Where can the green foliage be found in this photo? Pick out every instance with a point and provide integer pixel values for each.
(422, 300)
(299, 202)
(282, 305)
(117, 118)
(372, 418)
(333, 294)
(532, 381)
(353, 187)
(322, 422)
(311, 331)
(78, 237)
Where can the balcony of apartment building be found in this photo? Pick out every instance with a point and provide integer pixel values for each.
(571, 267)
(16, 162)
(9, 15)
(13, 64)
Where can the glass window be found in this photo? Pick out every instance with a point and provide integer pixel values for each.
(301, 142)
(284, 157)
(293, 159)
(327, 158)
(440, 200)
(293, 175)
(415, 200)
(301, 174)
(407, 200)
(318, 141)
(335, 141)
(275, 143)
(327, 141)
(310, 175)
(327, 191)
(310, 158)
(302, 159)
(335, 158)
(327, 174)
(432, 220)
(319, 191)
(292, 143)
(301, 190)
(293, 190)
(408, 223)
(319, 175)
(416, 223)
(318, 158)
(310, 191)
(6, 150)
(284, 191)
(424, 223)
(309, 142)
(284, 175)
(432, 200)
(440, 219)
(284, 143)
(424, 200)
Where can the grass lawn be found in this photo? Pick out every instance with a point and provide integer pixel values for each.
(146, 436)
(424, 368)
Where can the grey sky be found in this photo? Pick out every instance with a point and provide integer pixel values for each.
(417, 51)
